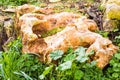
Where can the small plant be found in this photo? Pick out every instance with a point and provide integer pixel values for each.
(113, 70)
(72, 66)
(103, 33)
(117, 40)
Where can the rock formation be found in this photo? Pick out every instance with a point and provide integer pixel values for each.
(112, 15)
(66, 30)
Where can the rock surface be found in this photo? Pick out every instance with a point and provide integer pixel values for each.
(54, 0)
(6, 29)
(112, 14)
(77, 31)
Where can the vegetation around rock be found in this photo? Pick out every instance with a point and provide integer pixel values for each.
(21, 62)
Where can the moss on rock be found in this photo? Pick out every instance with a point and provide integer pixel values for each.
(112, 15)
(52, 32)
(113, 11)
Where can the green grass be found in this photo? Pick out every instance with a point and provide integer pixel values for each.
(14, 65)
(19, 2)
(17, 66)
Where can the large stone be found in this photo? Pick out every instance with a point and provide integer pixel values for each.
(113, 11)
(77, 31)
(112, 15)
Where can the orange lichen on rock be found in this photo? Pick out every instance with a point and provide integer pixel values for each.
(78, 31)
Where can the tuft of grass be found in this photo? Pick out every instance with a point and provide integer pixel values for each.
(19, 2)
(17, 66)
